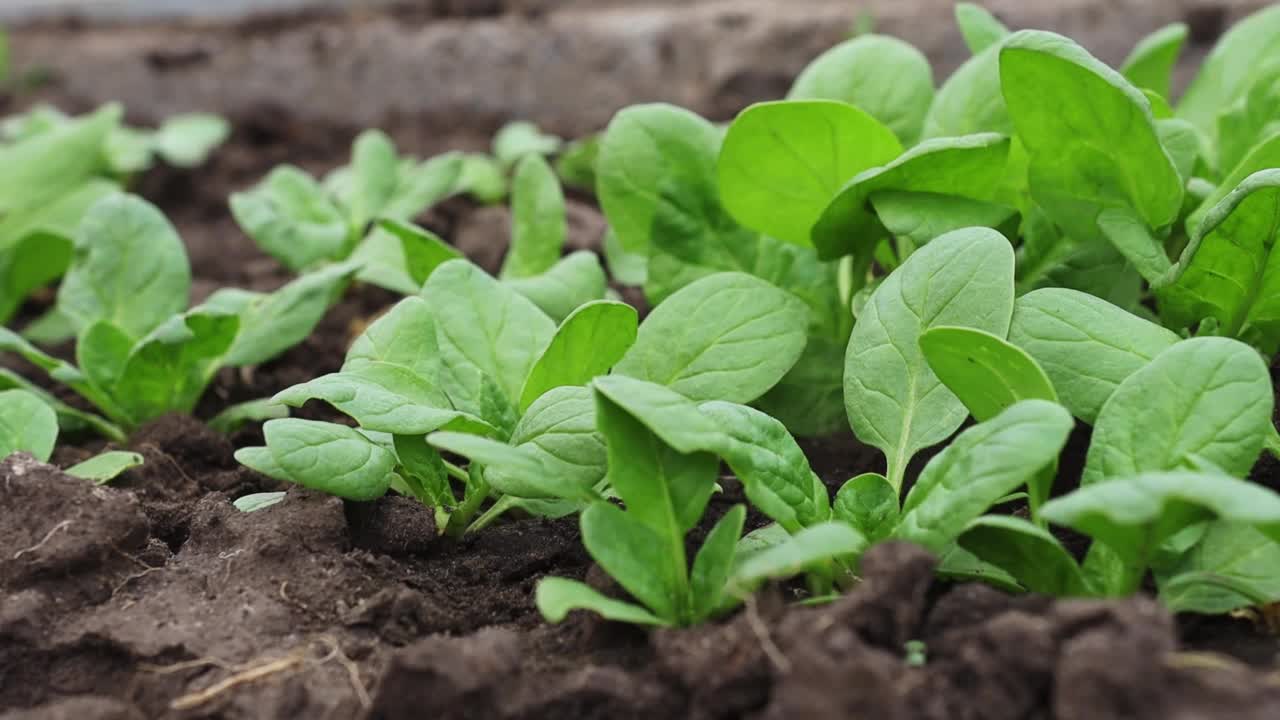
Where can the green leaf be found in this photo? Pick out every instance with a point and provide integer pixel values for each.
(1236, 61)
(1150, 64)
(1133, 516)
(385, 397)
(664, 488)
(258, 501)
(627, 268)
(27, 424)
(69, 418)
(589, 342)
(423, 251)
(169, 369)
(648, 563)
(971, 167)
(1031, 554)
(921, 217)
(424, 471)
(1227, 271)
(970, 100)
(331, 458)
(556, 597)
(728, 336)
(1093, 146)
(260, 459)
(714, 562)
(576, 162)
(1249, 119)
(105, 467)
(538, 226)
(1231, 567)
(272, 323)
(374, 175)
(509, 470)
(1205, 398)
(987, 373)
(674, 418)
(419, 186)
(980, 28)
(486, 326)
(186, 140)
(560, 428)
(869, 504)
(404, 336)
(482, 177)
(894, 401)
(782, 162)
(884, 76)
(103, 351)
(797, 554)
(572, 282)
(1263, 156)
(809, 399)
(49, 164)
(774, 471)
(130, 268)
(982, 465)
(36, 241)
(1085, 345)
(291, 218)
(237, 416)
(128, 151)
(517, 141)
(657, 173)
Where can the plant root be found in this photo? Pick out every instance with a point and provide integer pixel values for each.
(48, 536)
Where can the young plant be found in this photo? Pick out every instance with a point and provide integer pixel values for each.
(478, 361)
(28, 424)
(486, 177)
(140, 352)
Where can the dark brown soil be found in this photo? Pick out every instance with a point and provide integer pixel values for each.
(155, 597)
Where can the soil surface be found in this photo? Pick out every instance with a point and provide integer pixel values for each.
(156, 598)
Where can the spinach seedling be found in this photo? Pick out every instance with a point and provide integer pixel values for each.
(28, 424)
(140, 352)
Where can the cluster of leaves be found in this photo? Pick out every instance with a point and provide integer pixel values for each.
(55, 167)
(140, 351)
(28, 424)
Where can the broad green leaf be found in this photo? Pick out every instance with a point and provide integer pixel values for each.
(423, 472)
(27, 424)
(894, 401)
(1238, 58)
(987, 373)
(674, 418)
(796, 554)
(130, 268)
(519, 140)
(1228, 270)
(65, 373)
(729, 336)
(1133, 516)
(105, 467)
(538, 226)
(1029, 553)
(36, 241)
(291, 218)
(982, 465)
(420, 186)
(509, 470)
(186, 140)
(869, 504)
(423, 250)
(1249, 120)
(589, 342)
(258, 501)
(648, 564)
(970, 100)
(782, 162)
(980, 28)
(1150, 64)
(1231, 567)
(714, 562)
(70, 419)
(572, 282)
(169, 369)
(1085, 345)
(385, 397)
(49, 164)
(1092, 140)
(331, 458)
(884, 76)
(1182, 142)
(1263, 156)
(560, 429)
(663, 488)
(250, 411)
(971, 167)
(261, 460)
(274, 322)
(657, 170)
(374, 175)
(576, 162)
(921, 217)
(1205, 398)
(774, 471)
(128, 151)
(486, 326)
(556, 597)
(627, 268)
(482, 177)
(103, 350)
(404, 336)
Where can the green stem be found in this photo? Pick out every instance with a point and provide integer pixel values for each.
(1272, 442)
(457, 473)
(476, 493)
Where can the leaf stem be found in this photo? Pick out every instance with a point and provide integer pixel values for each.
(456, 472)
